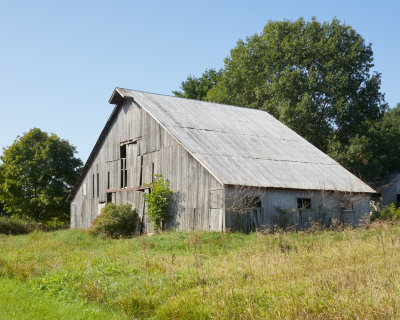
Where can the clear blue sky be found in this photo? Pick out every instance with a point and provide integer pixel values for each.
(60, 61)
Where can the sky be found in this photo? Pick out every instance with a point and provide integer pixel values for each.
(61, 60)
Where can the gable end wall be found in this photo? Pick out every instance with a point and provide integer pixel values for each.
(194, 207)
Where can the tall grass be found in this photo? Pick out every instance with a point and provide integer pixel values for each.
(348, 274)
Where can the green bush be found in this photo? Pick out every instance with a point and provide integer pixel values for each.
(54, 224)
(15, 225)
(386, 213)
(158, 201)
(116, 221)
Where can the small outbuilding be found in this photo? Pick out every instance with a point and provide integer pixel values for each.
(231, 168)
(388, 192)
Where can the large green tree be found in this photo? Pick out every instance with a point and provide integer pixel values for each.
(36, 175)
(375, 154)
(316, 78)
(197, 88)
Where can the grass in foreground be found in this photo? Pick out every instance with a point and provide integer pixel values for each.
(346, 274)
(18, 302)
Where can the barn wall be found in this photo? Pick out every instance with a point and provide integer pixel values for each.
(155, 151)
(325, 208)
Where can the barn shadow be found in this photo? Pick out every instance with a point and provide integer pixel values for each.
(176, 209)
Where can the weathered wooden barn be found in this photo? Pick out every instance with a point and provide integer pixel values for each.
(231, 168)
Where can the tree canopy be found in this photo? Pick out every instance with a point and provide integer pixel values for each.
(36, 175)
(316, 78)
(197, 88)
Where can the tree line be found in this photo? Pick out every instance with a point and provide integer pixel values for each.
(317, 79)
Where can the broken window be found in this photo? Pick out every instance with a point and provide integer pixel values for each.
(346, 204)
(124, 171)
(303, 203)
(109, 197)
(252, 202)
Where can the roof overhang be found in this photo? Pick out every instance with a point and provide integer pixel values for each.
(116, 97)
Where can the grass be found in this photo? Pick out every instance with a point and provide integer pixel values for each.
(348, 274)
(18, 302)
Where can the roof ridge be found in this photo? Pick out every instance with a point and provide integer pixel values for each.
(199, 101)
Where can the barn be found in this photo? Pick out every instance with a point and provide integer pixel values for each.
(231, 168)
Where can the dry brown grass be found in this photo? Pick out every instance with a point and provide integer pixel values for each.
(346, 274)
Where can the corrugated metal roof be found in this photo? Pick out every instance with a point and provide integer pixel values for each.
(243, 146)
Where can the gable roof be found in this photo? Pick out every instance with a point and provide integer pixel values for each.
(238, 146)
(382, 184)
(242, 146)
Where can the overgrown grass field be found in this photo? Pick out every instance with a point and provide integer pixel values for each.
(348, 274)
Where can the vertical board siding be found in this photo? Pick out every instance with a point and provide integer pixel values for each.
(325, 208)
(190, 181)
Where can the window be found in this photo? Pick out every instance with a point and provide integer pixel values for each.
(141, 171)
(109, 197)
(253, 202)
(93, 186)
(98, 186)
(124, 171)
(346, 204)
(108, 180)
(303, 203)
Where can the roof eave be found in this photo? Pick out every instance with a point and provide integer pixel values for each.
(117, 96)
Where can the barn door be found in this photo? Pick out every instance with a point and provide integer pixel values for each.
(216, 213)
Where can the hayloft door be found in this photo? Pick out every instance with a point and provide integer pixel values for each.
(128, 157)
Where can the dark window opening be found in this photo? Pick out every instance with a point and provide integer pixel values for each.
(253, 202)
(152, 172)
(93, 186)
(303, 203)
(398, 201)
(98, 186)
(346, 205)
(108, 180)
(124, 171)
(123, 151)
(109, 197)
(141, 171)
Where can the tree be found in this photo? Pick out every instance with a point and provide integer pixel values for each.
(36, 175)
(314, 77)
(376, 154)
(197, 88)
(158, 200)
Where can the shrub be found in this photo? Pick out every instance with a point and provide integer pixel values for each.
(116, 221)
(386, 213)
(15, 225)
(158, 201)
